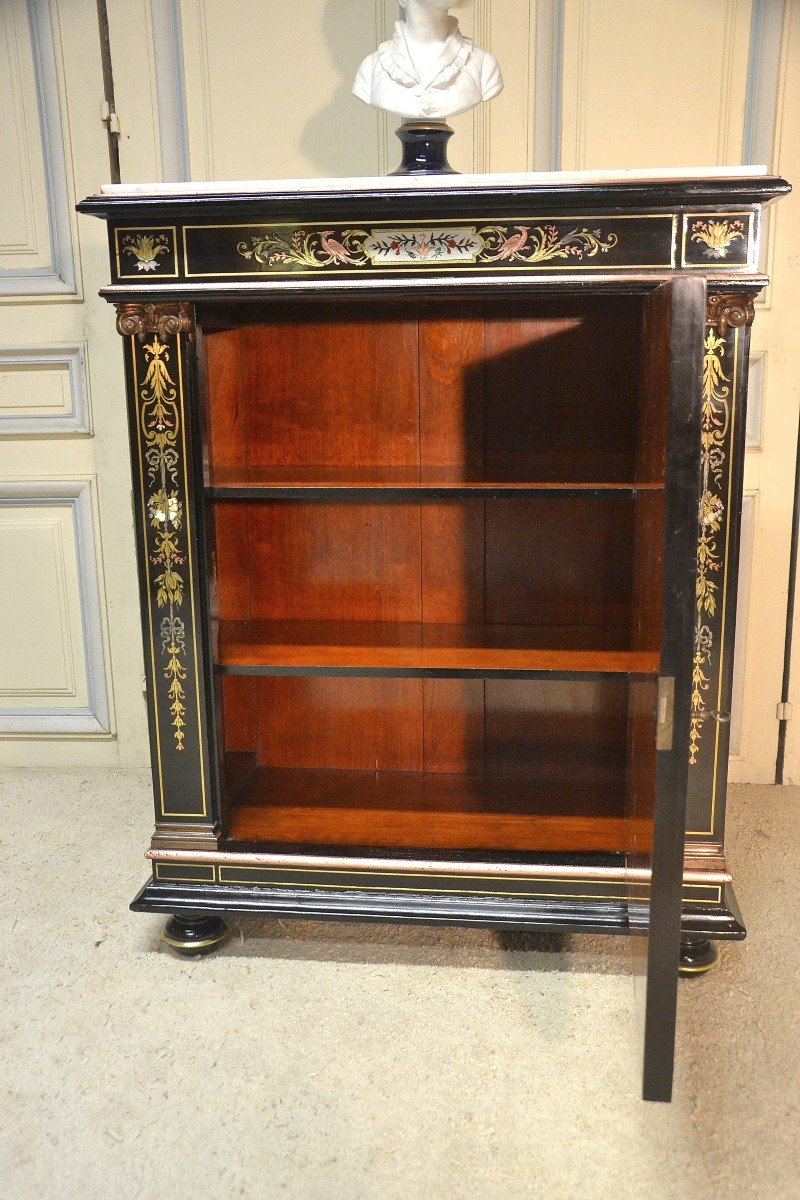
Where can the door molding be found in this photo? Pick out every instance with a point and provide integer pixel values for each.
(57, 356)
(59, 278)
(94, 718)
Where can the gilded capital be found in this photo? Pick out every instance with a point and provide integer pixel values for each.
(166, 320)
(724, 311)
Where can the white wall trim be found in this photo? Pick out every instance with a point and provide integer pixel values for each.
(94, 720)
(59, 278)
(386, 12)
(756, 381)
(70, 357)
(482, 116)
(763, 78)
(746, 549)
(761, 102)
(548, 85)
(170, 89)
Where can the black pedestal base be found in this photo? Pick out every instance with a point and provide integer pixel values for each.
(552, 914)
(424, 148)
(698, 955)
(193, 936)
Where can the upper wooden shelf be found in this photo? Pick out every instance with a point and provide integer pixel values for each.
(321, 482)
(410, 649)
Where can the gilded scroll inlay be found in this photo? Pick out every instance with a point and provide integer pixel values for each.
(159, 418)
(714, 418)
(722, 313)
(522, 243)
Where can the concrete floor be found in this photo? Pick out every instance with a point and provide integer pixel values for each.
(341, 1062)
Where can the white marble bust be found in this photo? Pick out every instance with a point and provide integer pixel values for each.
(429, 70)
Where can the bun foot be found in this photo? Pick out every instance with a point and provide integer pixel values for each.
(193, 936)
(698, 955)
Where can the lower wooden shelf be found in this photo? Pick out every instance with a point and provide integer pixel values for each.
(327, 808)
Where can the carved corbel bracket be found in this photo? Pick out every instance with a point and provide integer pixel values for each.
(165, 320)
(724, 311)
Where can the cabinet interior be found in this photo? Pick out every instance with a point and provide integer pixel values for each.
(412, 507)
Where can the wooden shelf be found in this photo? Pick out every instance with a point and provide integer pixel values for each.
(336, 483)
(432, 811)
(406, 648)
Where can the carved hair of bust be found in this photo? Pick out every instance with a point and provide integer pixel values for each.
(428, 69)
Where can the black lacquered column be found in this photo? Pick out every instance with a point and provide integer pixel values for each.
(160, 363)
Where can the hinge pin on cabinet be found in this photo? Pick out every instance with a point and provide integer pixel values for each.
(784, 711)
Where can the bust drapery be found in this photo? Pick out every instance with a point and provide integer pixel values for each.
(461, 76)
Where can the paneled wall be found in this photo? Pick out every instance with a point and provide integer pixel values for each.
(69, 659)
(658, 83)
(227, 89)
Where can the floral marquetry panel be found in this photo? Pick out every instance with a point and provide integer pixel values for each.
(588, 243)
(146, 252)
(157, 357)
(718, 240)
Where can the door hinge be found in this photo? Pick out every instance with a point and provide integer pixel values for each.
(666, 709)
(784, 711)
(109, 117)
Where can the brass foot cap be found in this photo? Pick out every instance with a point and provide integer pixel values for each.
(193, 936)
(697, 957)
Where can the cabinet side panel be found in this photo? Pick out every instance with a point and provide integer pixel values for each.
(225, 420)
(232, 553)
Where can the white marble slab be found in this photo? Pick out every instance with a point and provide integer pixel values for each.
(427, 183)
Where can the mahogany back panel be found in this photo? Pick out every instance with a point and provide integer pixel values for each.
(560, 563)
(561, 390)
(554, 731)
(523, 389)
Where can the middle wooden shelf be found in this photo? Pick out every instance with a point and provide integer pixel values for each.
(264, 647)
(407, 483)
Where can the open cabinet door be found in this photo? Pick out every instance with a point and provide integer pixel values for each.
(664, 608)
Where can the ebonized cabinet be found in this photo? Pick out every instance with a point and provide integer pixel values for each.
(437, 491)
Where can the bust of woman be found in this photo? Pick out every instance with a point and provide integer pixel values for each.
(428, 70)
